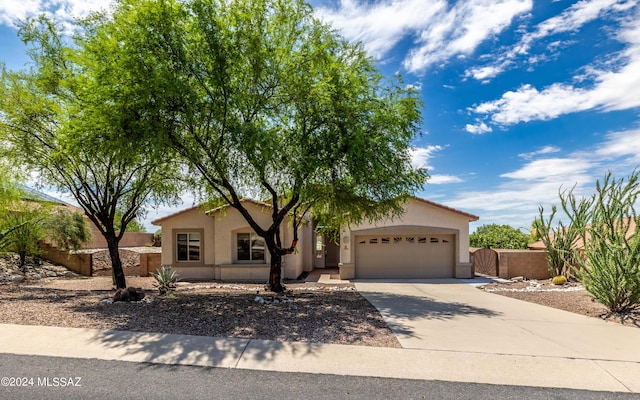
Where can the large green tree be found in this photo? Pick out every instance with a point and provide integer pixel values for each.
(60, 118)
(263, 100)
(498, 237)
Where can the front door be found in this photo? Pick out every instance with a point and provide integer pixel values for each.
(332, 254)
(319, 251)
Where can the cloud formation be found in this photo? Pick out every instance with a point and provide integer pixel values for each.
(602, 89)
(64, 10)
(514, 200)
(440, 29)
(570, 20)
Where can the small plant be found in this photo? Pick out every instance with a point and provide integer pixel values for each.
(166, 278)
(559, 280)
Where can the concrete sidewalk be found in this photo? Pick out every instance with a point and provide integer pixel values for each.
(606, 358)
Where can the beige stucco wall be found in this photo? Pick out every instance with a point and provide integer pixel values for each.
(194, 219)
(219, 244)
(419, 217)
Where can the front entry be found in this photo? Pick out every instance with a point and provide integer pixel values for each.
(326, 253)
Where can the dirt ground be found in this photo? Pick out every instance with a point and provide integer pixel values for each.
(569, 297)
(46, 294)
(308, 312)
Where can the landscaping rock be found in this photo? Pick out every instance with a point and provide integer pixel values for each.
(34, 269)
(128, 294)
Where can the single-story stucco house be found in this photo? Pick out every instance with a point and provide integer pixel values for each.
(429, 240)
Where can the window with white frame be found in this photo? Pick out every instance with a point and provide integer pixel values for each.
(188, 246)
(250, 247)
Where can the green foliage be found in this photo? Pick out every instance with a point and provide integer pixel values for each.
(166, 278)
(498, 237)
(559, 280)
(63, 114)
(132, 226)
(261, 100)
(157, 238)
(560, 240)
(26, 224)
(610, 266)
(69, 230)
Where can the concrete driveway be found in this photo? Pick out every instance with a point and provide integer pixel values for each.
(453, 315)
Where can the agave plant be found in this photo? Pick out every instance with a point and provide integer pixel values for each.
(166, 278)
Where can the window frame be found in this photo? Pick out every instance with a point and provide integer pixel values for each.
(188, 263)
(252, 236)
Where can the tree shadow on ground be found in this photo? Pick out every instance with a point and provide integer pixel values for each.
(395, 308)
(158, 348)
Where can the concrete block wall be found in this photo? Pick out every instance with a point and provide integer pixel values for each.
(78, 263)
(530, 264)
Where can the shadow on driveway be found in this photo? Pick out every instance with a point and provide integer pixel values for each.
(400, 311)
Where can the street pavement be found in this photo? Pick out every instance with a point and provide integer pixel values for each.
(98, 379)
(449, 330)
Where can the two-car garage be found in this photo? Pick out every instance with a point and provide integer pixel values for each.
(407, 256)
(428, 241)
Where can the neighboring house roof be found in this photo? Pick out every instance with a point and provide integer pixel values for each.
(34, 195)
(158, 221)
(201, 206)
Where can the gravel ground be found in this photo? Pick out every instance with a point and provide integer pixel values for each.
(309, 312)
(569, 297)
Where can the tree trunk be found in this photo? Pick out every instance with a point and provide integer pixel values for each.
(275, 273)
(116, 263)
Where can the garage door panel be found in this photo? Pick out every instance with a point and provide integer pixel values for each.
(404, 256)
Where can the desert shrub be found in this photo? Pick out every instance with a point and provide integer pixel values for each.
(166, 278)
(610, 267)
(561, 240)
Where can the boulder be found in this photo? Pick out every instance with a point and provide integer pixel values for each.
(128, 294)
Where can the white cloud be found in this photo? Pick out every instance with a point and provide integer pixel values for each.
(380, 26)
(606, 90)
(624, 144)
(63, 10)
(420, 156)
(443, 179)
(542, 150)
(550, 169)
(479, 128)
(515, 198)
(443, 30)
(570, 20)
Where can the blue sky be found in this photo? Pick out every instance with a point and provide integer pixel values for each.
(521, 97)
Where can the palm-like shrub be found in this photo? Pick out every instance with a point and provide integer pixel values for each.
(166, 278)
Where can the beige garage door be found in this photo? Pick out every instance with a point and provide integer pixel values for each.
(405, 256)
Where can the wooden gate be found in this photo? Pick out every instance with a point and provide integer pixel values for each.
(485, 262)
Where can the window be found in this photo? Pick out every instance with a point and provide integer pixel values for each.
(384, 240)
(188, 246)
(250, 247)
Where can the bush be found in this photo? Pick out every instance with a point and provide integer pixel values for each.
(498, 237)
(610, 266)
(166, 278)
